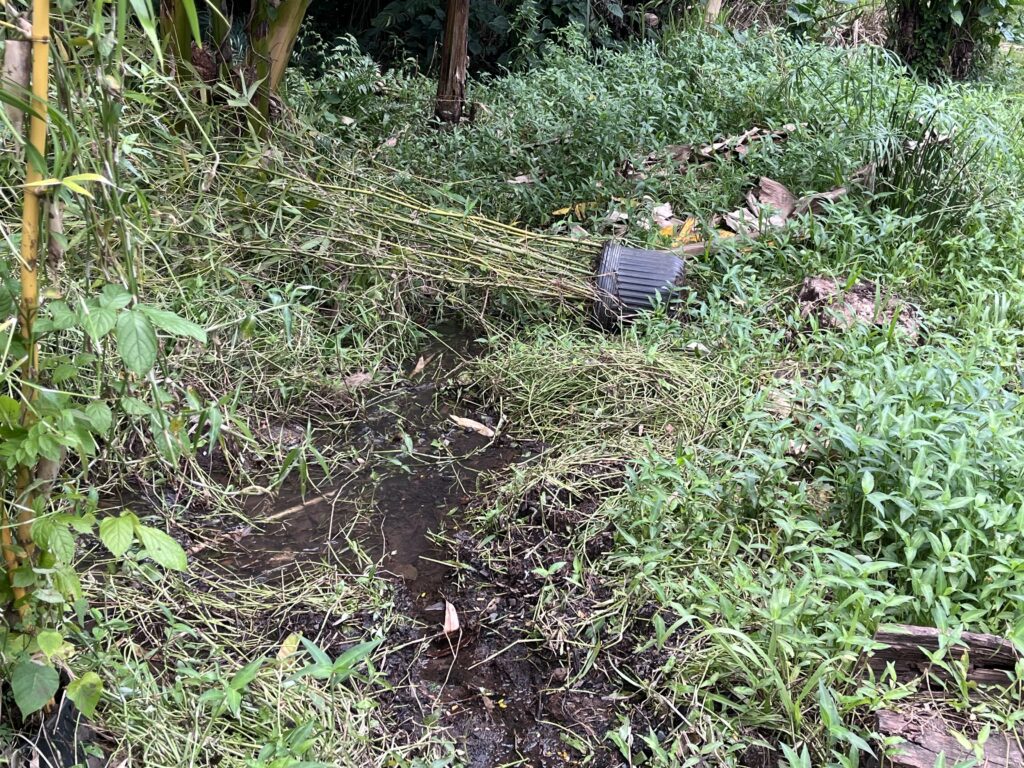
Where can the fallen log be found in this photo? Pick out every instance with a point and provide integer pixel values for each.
(927, 736)
(991, 659)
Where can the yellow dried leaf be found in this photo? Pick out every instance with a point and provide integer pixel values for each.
(289, 646)
(689, 230)
(561, 211)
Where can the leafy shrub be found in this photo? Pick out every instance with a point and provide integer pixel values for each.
(951, 38)
(919, 454)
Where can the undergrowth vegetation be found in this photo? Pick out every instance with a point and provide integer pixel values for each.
(730, 498)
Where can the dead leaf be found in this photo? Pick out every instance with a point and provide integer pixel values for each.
(451, 618)
(289, 646)
(420, 365)
(475, 426)
(816, 202)
(357, 380)
(687, 234)
(663, 215)
(522, 178)
(743, 222)
(771, 192)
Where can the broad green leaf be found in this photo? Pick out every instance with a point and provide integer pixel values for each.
(48, 595)
(114, 297)
(24, 577)
(97, 321)
(63, 373)
(50, 641)
(162, 548)
(66, 580)
(33, 685)
(174, 325)
(99, 416)
(133, 406)
(61, 543)
(85, 692)
(61, 316)
(117, 534)
(136, 341)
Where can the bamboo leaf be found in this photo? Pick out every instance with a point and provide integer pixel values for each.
(144, 13)
(193, 20)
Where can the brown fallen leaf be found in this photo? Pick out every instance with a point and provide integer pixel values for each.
(421, 364)
(475, 426)
(816, 203)
(771, 192)
(357, 380)
(451, 618)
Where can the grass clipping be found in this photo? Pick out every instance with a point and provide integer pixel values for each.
(209, 670)
(576, 386)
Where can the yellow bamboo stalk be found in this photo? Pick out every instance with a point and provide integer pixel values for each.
(30, 231)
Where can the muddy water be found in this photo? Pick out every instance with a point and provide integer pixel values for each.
(389, 505)
(420, 471)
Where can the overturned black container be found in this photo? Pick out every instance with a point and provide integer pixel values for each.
(629, 279)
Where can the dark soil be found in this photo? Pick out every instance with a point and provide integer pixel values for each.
(501, 695)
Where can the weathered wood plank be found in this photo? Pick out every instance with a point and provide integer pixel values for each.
(927, 736)
(991, 658)
(906, 643)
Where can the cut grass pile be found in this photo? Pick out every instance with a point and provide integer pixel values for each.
(209, 669)
(574, 387)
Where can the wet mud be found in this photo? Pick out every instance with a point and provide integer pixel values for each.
(499, 696)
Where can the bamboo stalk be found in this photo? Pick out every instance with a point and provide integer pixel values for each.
(30, 233)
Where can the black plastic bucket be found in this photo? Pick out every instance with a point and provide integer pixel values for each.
(629, 279)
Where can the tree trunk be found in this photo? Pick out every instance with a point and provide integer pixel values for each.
(451, 88)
